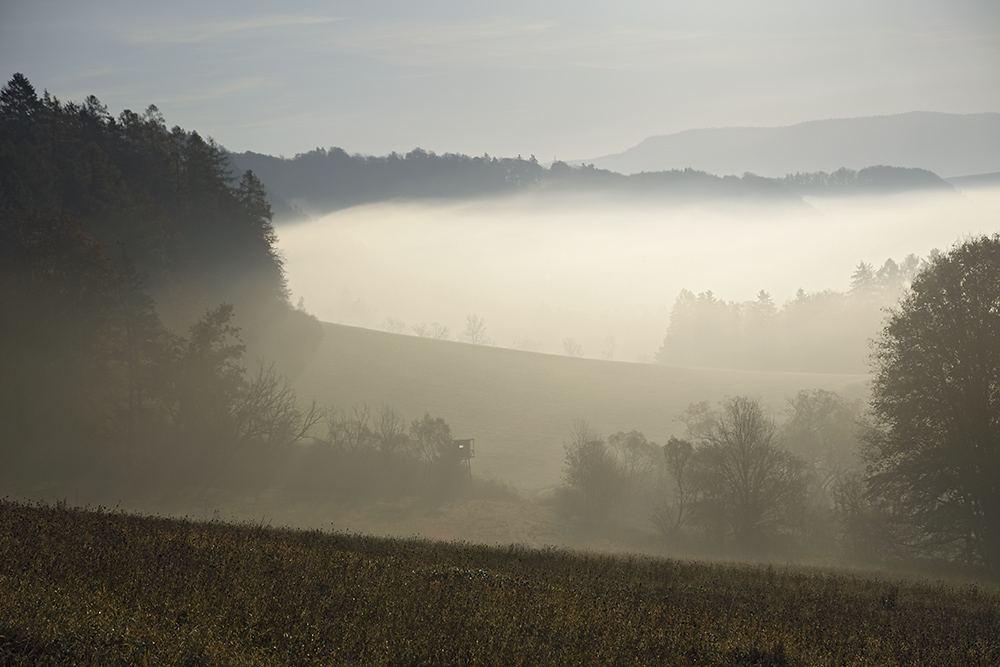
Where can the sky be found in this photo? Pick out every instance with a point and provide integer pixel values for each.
(566, 80)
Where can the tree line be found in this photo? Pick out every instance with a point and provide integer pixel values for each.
(875, 179)
(824, 331)
(737, 479)
(166, 199)
(325, 180)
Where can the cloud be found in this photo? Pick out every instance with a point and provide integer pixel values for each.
(190, 33)
(220, 90)
(512, 44)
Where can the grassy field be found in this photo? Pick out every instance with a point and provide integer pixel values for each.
(82, 587)
(520, 406)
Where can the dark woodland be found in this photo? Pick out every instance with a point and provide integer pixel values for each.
(137, 276)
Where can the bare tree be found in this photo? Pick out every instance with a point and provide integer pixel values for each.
(391, 432)
(636, 457)
(475, 330)
(350, 431)
(608, 351)
(267, 412)
(571, 348)
(528, 344)
(434, 330)
(746, 481)
(392, 325)
(439, 331)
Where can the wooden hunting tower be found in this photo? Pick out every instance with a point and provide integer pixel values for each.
(464, 451)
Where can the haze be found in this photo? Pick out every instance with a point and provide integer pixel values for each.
(557, 79)
(546, 269)
(541, 273)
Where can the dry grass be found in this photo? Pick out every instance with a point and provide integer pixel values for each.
(82, 587)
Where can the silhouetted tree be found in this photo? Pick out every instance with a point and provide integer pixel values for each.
(431, 436)
(19, 105)
(593, 472)
(745, 480)
(207, 385)
(670, 516)
(144, 346)
(391, 432)
(933, 451)
(351, 430)
(823, 430)
(268, 415)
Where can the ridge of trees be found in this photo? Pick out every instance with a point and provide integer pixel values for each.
(875, 179)
(324, 180)
(824, 331)
(195, 232)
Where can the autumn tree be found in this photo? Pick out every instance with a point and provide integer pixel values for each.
(933, 449)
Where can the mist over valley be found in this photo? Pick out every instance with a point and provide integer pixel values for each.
(725, 395)
(586, 268)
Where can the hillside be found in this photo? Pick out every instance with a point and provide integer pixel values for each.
(111, 589)
(946, 144)
(520, 406)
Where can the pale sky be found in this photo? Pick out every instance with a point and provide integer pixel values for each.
(567, 80)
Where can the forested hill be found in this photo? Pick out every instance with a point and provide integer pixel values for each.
(135, 274)
(326, 180)
(164, 201)
(323, 180)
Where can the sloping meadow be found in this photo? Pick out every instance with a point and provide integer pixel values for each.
(92, 587)
(520, 406)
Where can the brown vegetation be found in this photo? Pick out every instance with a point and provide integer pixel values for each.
(102, 588)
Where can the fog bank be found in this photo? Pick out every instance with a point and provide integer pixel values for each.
(601, 273)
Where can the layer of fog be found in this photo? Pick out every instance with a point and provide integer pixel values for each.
(539, 272)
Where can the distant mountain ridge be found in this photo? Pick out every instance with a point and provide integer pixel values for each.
(327, 180)
(949, 145)
(321, 181)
